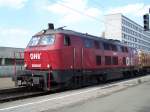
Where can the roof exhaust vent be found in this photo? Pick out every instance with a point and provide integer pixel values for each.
(50, 26)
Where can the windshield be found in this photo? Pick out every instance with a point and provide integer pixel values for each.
(42, 40)
(34, 41)
(47, 40)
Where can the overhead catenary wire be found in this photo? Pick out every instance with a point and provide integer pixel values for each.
(85, 14)
(82, 13)
(77, 11)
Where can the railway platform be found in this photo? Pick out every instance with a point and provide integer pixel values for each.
(136, 99)
(6, 83)
(124, 93)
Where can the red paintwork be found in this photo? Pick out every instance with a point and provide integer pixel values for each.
(62, 57)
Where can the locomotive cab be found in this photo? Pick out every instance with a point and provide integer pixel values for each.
(38, 58)
(45, 60)
(37, 52)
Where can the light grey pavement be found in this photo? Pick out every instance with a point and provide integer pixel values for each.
(135, 99)
(6, 83)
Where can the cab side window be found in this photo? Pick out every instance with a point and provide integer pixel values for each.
(67, 41)
(88, 43)
(96, 44)
(114, 47)
(106, 46)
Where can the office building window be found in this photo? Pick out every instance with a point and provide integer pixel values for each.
(9, 61)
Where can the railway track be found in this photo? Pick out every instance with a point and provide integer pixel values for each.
(13, 94)
(18, 93)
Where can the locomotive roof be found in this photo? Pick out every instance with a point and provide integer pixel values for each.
(83, 35)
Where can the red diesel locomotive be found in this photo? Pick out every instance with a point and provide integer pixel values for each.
(59, 58)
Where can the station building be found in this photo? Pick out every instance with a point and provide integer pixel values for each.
(127, 31)
(8, 58)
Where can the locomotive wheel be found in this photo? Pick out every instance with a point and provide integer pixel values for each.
(135, 72)
(128, 74)
(125, 74)
(104, 78)
(99, 79)
(71, 84)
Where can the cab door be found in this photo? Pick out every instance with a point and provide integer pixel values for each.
(67, 55)
(77, 52)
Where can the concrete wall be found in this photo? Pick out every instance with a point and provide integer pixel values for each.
(113, 26)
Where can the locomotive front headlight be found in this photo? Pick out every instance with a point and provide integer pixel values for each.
(25, 65)
(48, 65)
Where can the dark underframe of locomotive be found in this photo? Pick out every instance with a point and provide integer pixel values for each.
(71, 78)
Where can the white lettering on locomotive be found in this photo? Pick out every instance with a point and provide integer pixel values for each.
(127, 61)
(35, 56)
(131, 61)
(36, 65)
(114, 53)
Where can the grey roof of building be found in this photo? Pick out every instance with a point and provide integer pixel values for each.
(8, 52)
